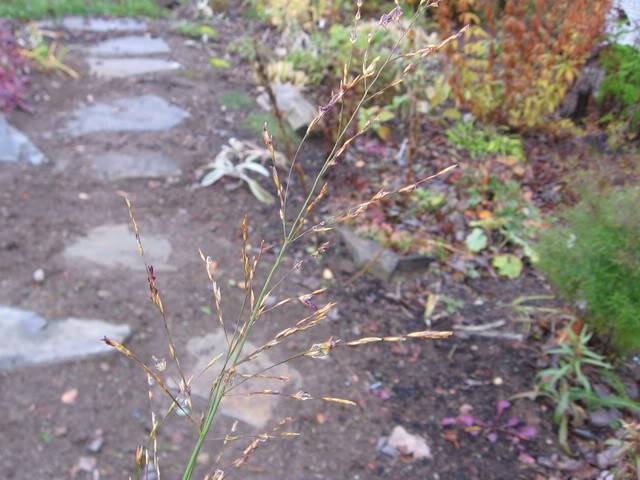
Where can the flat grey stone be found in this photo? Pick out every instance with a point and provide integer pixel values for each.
(142, 164)
(257, 410)
(298, 111)
(98, 25)
(604, 416)
(16, 147)
(130, 45)
(144, 113)
(128, 67)
(380, 261)
(114, 246)
(29, 339)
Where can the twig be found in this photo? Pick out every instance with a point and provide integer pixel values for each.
(264, 80)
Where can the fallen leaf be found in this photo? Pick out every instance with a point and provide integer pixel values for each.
(507, 265)
(451, 436)
(484, 214)
(526, 458)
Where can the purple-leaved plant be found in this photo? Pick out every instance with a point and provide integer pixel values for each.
(13, 79)
(514, 429)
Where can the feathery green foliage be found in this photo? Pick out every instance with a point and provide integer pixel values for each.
(621, 83)
(593, 256)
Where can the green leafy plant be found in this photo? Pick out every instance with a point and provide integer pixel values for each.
(219, 63)
(481, 141)
(427, 200)
(567, 382)
(507, 212)
(592, 257)
(476, 241)
(236, 100)
(48, 57)
(196, 30)
(620, 87)
(507, 265)
(301, 12)
(45, 8)
(568, 385)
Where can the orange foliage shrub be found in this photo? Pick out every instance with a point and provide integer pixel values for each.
(519, 58)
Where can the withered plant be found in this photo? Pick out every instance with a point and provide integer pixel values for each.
(519, 57)
(258, 290)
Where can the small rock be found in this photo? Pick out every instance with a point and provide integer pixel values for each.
(604, 417)
(366, 253)
(297, 110)
(327, 274)
(608, 457)
(38, 276)
(402, 443)
(69, 397)
(95, 445)
(413, 263)
(85, 464)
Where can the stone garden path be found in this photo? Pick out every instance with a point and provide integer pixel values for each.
(145, 114)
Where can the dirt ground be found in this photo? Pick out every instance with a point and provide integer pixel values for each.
(42, 211)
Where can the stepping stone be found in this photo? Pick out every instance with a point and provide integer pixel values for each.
(257, 411)
(16, 147)
(29, 339)
(143, 164)
(114, 246)
(127, 67)
(145, 113)
(129, 46)
(97, 25)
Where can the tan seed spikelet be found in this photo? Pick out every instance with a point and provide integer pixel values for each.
(428, 334)
(302, 396)
(134, 225)
(321, 194)
(394, 339)
(128, 353)
(341, 401)
(363, 341)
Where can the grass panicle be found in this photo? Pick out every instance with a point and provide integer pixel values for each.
(257, 290)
